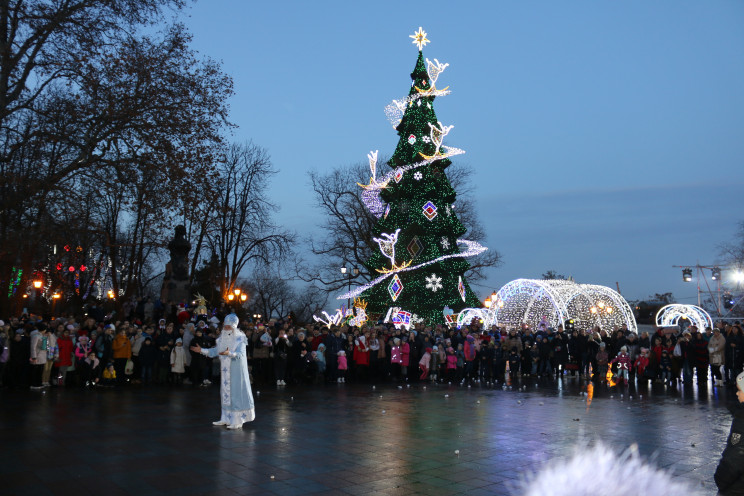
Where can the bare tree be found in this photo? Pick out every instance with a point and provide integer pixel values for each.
(240, 229)
(345, 237)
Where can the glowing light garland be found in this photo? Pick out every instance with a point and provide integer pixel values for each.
(530, 301)
(670, 315)
(472, 248)
(371, 196)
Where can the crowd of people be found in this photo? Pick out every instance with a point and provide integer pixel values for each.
(39, 353)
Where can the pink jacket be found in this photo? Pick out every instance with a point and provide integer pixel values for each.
(451, 361)
(623, 361)
(424, 362)
(395, 355)
(342, 364)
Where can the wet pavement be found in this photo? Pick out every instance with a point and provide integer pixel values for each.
(346, 438)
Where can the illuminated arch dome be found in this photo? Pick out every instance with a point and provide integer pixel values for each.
(670, 315)
(532, 301)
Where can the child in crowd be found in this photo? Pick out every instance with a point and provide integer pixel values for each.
(178, 361)
(602, 359)
(535, 358)
(342, 366)
(514, 362)
(396, 358)
(148, 354)
(451, 365)
(460, 353)
(320, 362)
(665, 367)
(89, 369)
(485, 362)
(424, 364)
(434, 363)
(109, 376)
(640, 365)
(623, 364)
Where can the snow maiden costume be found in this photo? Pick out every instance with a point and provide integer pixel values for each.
(235, 387)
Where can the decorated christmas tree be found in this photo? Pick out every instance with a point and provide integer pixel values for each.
(421, 261)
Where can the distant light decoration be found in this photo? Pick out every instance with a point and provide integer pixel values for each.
(83, 268)
(532, 301)
(418, 176)
(67, 247)
(687, 274)
(395, 287)
(472, 248)
(461, 288)
(331, 320)
(430, 210)
(399, 318)
(414, 247)
(670, 315)
(59, 266)
(437, 134)
(15, 280)
(360, 313)
(419, 38)
(71, 268)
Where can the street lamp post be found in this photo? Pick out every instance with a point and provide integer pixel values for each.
(355, 271)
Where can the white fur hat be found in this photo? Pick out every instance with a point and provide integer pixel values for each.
(231, 320)
(740, 382)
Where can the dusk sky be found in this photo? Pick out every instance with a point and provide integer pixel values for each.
(606, 138)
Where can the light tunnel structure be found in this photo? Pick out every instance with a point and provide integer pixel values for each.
(670, 316)
(552, 302)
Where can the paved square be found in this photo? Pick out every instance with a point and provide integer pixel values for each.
(345, 438)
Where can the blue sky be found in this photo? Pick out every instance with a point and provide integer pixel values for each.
(606, 137)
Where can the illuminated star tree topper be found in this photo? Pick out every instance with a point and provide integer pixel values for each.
(419, 38)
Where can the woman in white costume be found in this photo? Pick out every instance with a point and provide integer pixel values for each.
(235, 386)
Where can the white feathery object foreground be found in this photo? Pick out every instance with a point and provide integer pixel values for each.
(598, 471)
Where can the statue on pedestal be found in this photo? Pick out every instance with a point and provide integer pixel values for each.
(176, 280)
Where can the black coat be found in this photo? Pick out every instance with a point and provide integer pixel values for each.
(729, 475)
(148, 354)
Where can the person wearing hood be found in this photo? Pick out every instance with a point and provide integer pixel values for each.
(38, 357)
(148, 355)
(236, 397)
(729, 475)
(178, 361)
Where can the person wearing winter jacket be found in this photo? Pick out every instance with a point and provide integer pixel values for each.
(729, 475)
(38, 357)
(716, 355)
(121, 349)
(65, 350)
(734, 352)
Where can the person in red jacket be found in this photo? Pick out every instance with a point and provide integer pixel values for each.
(361, 356)
(65, 347)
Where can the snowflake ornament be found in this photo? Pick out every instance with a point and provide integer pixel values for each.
(445, 242)
(426, 139)
(417, 175)
(434, 283)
